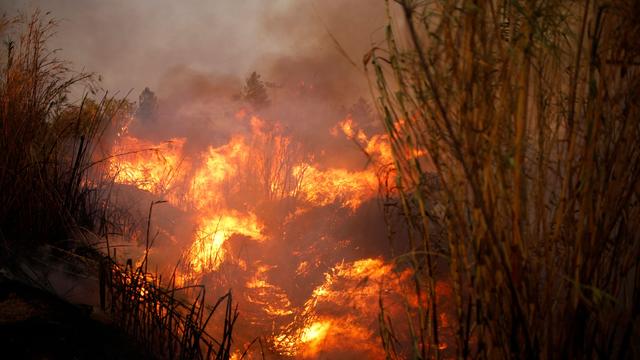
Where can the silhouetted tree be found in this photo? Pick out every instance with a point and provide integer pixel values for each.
(147, 105)
(255, 92)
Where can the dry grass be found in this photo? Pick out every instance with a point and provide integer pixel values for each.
(47, 144)
(529, 113)
(160, 317)
(55, 190)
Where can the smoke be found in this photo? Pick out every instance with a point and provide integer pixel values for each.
(133, 44)
(196, 54)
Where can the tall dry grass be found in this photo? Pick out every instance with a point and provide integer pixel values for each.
(55, 190)
(529, 115)
(47, 143)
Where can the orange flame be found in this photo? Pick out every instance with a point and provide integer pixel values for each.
(207, 252)
(145, 165)
(324, 187)
(266, 165)
(324, 325)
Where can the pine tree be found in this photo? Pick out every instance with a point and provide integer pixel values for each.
(255, 91)
(147, 105)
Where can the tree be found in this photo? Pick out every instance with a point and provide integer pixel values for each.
(255, 92)
(147, 106)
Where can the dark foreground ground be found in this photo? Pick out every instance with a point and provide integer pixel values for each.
(35, 324)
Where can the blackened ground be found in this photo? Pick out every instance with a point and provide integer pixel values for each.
(37, 325)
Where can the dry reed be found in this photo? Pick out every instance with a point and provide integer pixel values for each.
(528, 114)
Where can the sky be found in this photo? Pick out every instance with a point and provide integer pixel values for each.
(132, 44)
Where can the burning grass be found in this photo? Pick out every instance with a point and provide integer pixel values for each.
(511, 151)
(264, 215)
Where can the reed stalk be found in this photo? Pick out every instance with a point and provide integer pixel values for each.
(528, 114)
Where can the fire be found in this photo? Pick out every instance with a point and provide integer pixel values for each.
(377, 147)
(219, 165)
(264, 159)
(322, 188)
(145, 165)
(339, 311)
(315, 333)
(226, 188)
(207, 252)
(333, 335)
(271, 298)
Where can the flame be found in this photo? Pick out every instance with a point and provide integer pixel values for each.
(223, 187)
(273, 300)
(219, 165)
(145, 165)
(207, 252)
(314, 335)
(163, 169)
(323, 324)
(377, 147)
(324, 187)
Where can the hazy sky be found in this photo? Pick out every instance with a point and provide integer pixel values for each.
(135, 43)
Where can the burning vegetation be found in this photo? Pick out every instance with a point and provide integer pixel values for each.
(254, 191)
(483, 204)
